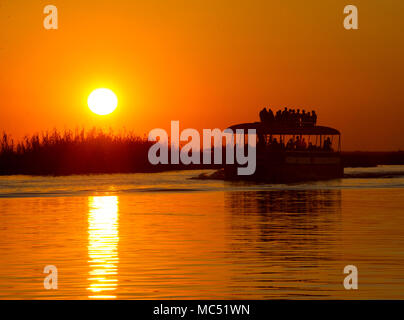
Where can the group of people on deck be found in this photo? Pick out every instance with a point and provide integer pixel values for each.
(296, 143)
(289, 117)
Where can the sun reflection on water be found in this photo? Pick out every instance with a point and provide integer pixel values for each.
(103, 241)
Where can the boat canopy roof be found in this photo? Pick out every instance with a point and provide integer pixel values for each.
(262, 128)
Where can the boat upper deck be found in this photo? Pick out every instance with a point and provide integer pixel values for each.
(278, 129)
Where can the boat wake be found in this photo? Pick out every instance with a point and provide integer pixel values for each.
(186, 182)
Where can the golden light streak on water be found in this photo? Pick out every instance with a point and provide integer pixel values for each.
(103, 239)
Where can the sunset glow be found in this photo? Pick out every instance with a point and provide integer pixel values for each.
(179, 153)
(180, 67)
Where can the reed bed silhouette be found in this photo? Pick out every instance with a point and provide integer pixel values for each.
(95, 151)
(78, 152)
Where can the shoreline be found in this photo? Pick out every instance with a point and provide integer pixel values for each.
(350, 159)
(355, 159)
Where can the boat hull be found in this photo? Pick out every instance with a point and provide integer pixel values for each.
(284, 167)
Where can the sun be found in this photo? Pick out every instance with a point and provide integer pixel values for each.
(102, 101)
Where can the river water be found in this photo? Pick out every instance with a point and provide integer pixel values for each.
(166, 236)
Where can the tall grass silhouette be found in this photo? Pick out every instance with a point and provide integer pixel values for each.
(95, 151)
(78, 152)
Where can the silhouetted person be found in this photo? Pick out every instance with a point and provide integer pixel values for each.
(313, 118)
(305, 119)
(278, 116)
(303, 144)
(285, 116)
(327, 144)
(298, 118)
(291, 144)
(292, 117)
(270, 116)
(297, 143)
(263, 115)
(261, 141)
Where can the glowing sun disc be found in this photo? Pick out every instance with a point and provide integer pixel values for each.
(102, 101)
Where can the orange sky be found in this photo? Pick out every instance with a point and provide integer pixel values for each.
(207, 63)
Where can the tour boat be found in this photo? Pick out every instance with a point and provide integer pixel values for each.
(279, 164)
